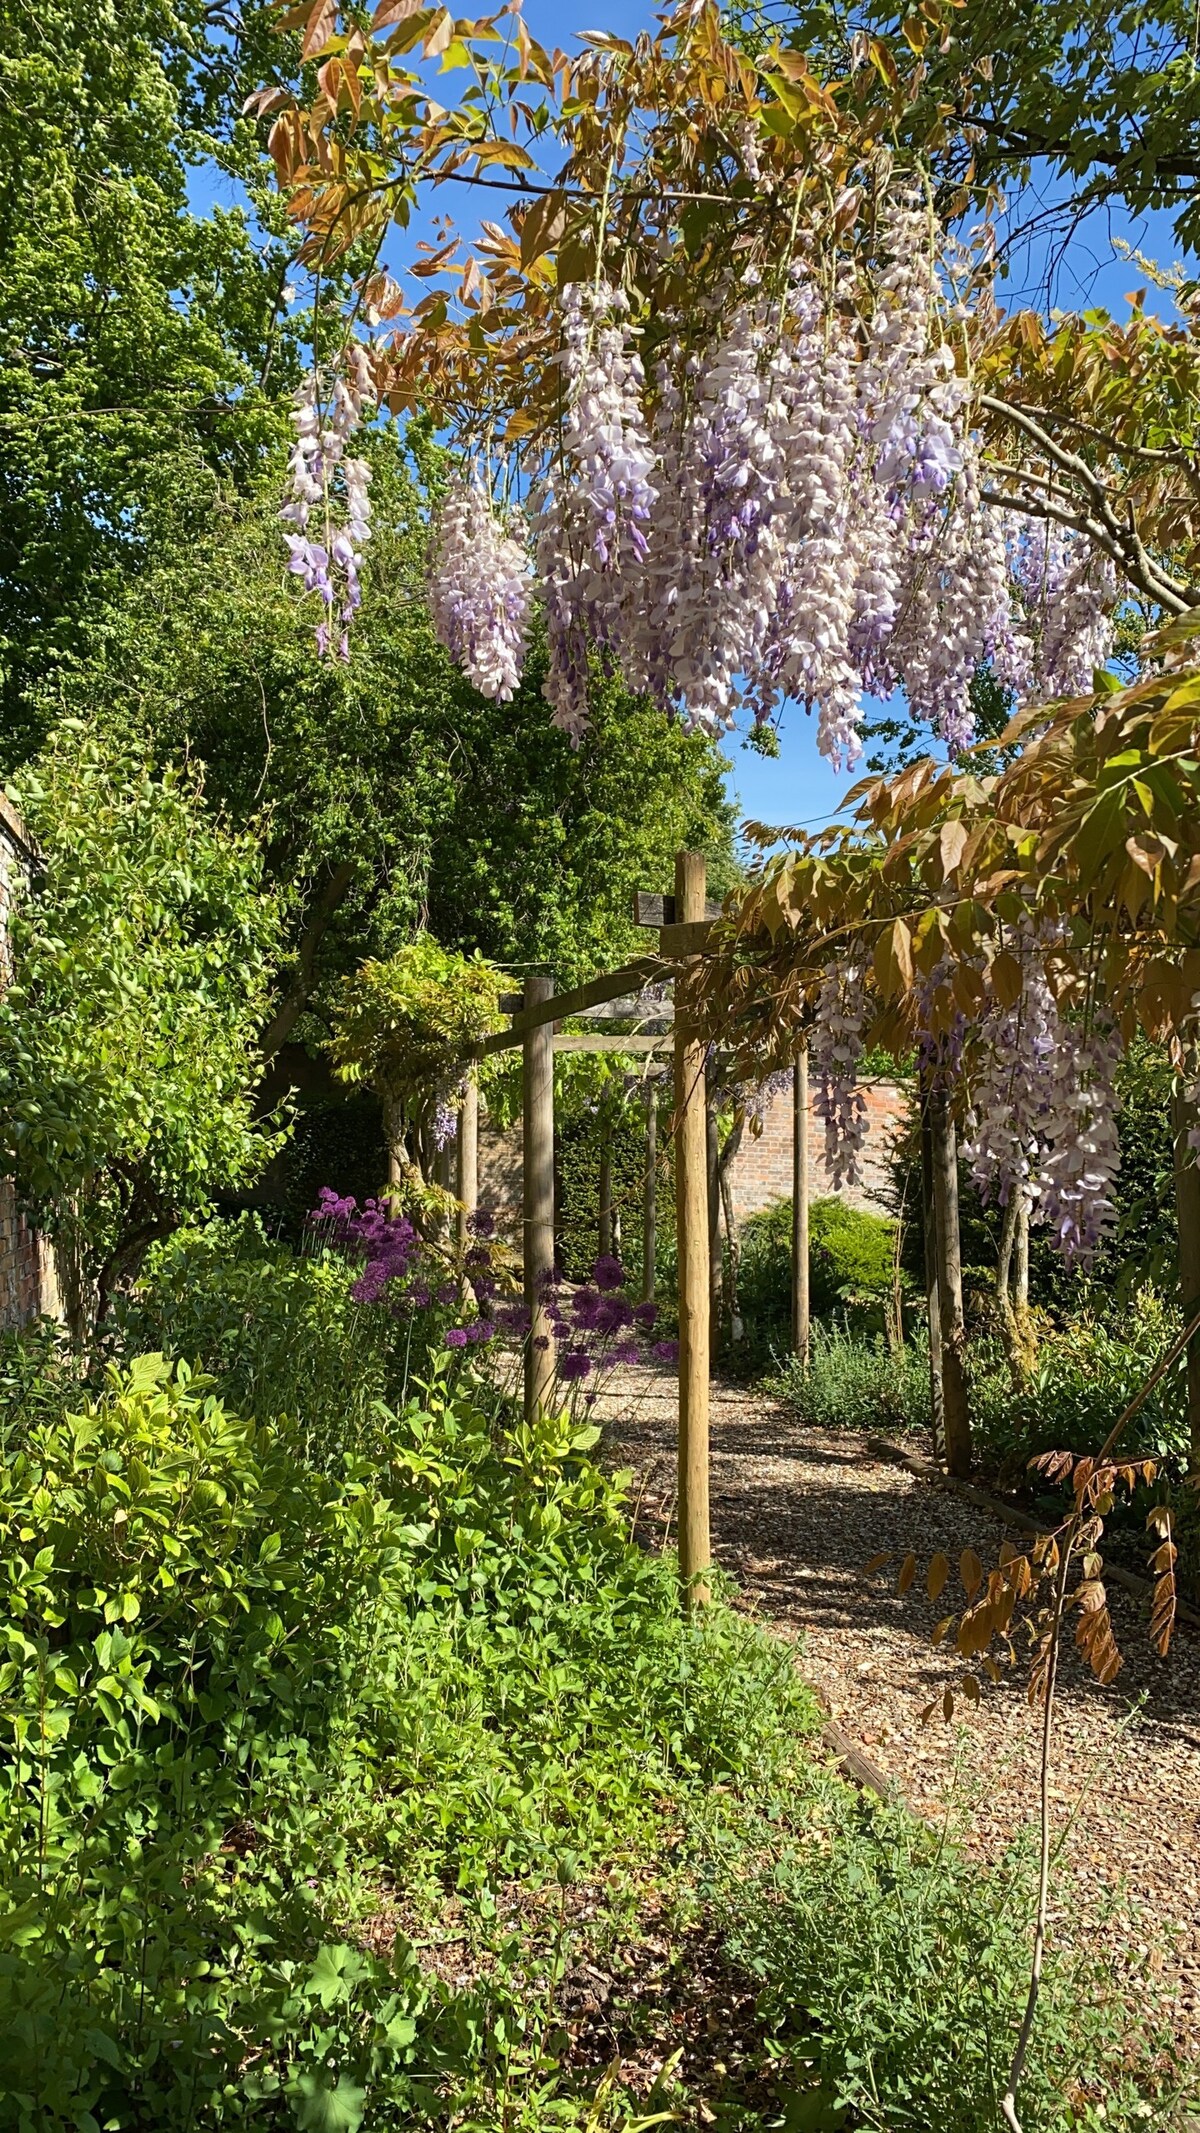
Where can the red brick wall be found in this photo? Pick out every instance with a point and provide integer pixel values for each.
(762, 1168)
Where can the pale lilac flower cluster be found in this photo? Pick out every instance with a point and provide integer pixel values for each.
(593, 509)
(479, 590)
(794, 511)
(1068, 590)
(1044, 1111)
(328, 504)
(835, 1049)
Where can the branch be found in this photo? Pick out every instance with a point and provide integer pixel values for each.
(295, 1000)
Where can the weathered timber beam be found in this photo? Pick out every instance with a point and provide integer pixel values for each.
(689, 938)
(609, 986)
(584, 1041)
(652, 910)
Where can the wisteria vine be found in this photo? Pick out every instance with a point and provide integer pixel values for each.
(790, 505)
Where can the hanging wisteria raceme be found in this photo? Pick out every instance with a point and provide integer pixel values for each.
(328, 504)
(1013, 1066)
(592, 512)
(1082, 1152)
(835, 1050)
(1044, 1110)
(479, 591)
(1068, 589)
(791, 508)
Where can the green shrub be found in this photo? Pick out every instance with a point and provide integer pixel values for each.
(277, 1328)
(855, 1382)
(184, 1605)
(851, 1254)
(240, 1699)
(1086, 1372)
(893, 1973)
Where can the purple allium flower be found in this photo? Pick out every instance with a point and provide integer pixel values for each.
(644, 1315)
(608, 1273)
(481, 1330)
(482, 1222)
(478, 1256)
(456, 1337)
(574, 1365)
(447, 1292)
(665, 1351)
(628, 1352)
(541, 1342)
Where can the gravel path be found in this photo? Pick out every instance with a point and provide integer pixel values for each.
(797, 1512)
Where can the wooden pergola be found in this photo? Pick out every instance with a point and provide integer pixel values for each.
(683, 924)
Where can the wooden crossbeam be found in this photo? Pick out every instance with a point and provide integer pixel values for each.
(630, 978)
(652, 910)
(691, 937)
(585, 1041)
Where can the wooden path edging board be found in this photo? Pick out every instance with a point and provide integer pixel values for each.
(1010, 1514)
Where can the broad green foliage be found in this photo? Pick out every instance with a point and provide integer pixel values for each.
(277, 1328)
(1108, 97)
(408, 1024)
(243, 1701)
(128, 1037)
(850, 1262)
(142, 346)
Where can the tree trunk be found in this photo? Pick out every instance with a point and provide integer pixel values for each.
(1187, 1208)
(801, 1309)
(956, 1411)
(933, 1309)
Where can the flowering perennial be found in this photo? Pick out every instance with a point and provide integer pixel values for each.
(328, 507)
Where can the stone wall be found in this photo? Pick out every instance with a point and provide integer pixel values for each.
(27, 1287)
(761, 1170)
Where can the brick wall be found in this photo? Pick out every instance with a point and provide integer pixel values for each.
(761, 1170)
(27, 1286)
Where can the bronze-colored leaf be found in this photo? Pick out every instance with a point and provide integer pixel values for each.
(948, 1704)
(908, 1571)
(877, 1561)
(939, 1571)
(970, 1569)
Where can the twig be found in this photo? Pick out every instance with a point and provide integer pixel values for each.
(1008, 2102)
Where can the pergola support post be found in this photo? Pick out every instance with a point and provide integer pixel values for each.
(650, 1194)
(691, 1211)
(537, 1179)
(468, 1158)
(801, 1307)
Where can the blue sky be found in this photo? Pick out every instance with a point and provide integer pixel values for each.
(799, 787)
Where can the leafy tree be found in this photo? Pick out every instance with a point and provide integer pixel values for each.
(392, 795)
(1108, 98)
(143, 346)
(129, 1036)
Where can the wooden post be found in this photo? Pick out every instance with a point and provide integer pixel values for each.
(650, 1194)
(712, 1159)
(955, 1410)
(691, 1216)
(468, 1158)
(937, 1413)
(801, 1315)
(605, 1223)
(1187, 1210)
(537, 1178)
